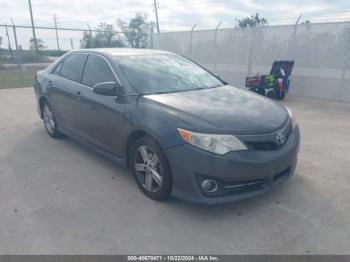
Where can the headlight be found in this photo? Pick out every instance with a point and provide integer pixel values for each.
(218, 144)
(290, 113)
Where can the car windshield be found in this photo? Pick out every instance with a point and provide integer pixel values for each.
(165, 73)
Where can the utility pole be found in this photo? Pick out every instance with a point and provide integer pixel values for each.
(156, 11)
(58, 44)
(9, 42)
(33, 28)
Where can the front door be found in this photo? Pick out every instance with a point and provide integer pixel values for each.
(99, 116)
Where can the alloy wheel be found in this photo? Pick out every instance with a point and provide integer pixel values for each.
(148, 168)
(49, 120)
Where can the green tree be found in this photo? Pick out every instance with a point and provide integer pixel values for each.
(86, 42)
(105, 36)
(137, 31)
(252, 21)
(39, 43)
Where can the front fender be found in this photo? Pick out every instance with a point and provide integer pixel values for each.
(155, 120)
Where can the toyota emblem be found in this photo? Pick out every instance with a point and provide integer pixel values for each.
(280, 138)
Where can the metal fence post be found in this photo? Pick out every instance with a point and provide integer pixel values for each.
(345, 67)
(9, 41)
(250, 50)
(150, 39)
(90, 40)
(159, 42)
(294, 41)
(216, 48)
(191, 39)
(17, 57)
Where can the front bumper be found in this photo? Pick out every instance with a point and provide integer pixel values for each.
(270, 168)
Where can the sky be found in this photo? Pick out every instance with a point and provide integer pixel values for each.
(174, 15)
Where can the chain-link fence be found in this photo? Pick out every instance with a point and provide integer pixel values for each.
(321, 53)
(20, 59)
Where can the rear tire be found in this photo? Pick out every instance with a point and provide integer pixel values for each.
(150, 168)
(49, 120)
(280, 95)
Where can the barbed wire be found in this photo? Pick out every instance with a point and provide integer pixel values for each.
(23, 22)
(336, 16)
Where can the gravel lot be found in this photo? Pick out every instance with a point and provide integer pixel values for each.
(57, 197)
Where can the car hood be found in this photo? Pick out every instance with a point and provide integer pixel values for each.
(224, 109)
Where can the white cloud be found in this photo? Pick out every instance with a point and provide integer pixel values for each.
(173, 14)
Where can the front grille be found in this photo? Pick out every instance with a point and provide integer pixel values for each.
(242, 186)
(270, 144)
(262, 146)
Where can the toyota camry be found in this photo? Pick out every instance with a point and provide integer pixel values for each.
(180, 129)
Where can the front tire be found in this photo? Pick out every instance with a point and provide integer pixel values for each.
(49, 120)
(150, 169)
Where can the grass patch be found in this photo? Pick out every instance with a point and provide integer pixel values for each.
(11, 77)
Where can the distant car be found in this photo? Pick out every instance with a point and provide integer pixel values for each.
(181, 129)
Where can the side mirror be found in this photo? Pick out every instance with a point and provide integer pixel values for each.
(105, 88)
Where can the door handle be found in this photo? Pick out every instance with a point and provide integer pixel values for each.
(78, 93)
(50, 83)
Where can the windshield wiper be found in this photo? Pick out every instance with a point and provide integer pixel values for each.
(180, 90)
(223, 84)
(158, 93)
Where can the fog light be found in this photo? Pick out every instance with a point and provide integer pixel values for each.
(210, 186)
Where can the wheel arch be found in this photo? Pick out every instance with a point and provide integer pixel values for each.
(42, 100)
(139, 133)
(136, 134)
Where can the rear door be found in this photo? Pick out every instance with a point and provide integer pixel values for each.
(100, 119)
(65, 91)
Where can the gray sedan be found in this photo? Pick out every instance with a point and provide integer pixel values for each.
(181, 130)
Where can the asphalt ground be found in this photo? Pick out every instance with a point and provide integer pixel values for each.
(58, 197)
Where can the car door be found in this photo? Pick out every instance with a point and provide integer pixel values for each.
(65, 91)
(99, 116)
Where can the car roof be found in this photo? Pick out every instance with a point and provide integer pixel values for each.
(121, 51)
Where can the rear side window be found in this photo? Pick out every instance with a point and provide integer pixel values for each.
(73, 66)
(97, 71)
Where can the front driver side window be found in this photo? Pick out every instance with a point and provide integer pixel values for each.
(97, 71)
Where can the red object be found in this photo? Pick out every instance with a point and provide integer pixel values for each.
(280, 85)
(253, 81)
